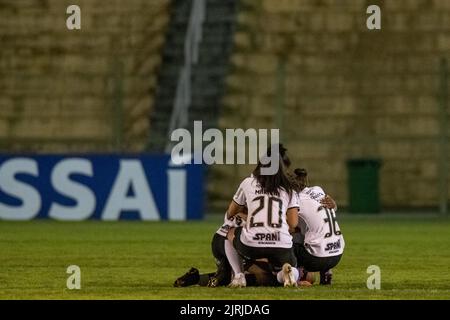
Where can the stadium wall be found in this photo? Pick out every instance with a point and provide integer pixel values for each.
(339, 91)
(81, 100)
(87, 90)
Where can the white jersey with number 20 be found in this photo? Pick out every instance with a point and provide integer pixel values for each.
(266, 224)
(323, 237)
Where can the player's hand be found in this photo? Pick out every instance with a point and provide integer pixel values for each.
(304, 284)
(328, 202)
(242, 216)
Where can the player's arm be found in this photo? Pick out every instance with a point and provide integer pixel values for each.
(244, 210)
(292, 212)
(292, 218)
(329, 202)
(233, 209)
(243, 213)
(238, 203)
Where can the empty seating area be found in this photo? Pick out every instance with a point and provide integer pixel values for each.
(338, 91)
(79, 90)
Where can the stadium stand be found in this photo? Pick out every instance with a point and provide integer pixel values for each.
(312, 68)
(87, 90)
(208, 74)
(340, 91)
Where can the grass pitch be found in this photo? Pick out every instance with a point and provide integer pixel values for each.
(137, 260)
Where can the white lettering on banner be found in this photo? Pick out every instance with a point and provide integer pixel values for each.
(83, 199)
(131, 174)
(83, 196)
(177, 194)
(30, 198)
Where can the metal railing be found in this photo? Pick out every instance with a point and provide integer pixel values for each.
(183, 97)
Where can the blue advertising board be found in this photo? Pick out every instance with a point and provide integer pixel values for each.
(105, 187)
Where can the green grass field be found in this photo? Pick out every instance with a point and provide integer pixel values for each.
(136, 260)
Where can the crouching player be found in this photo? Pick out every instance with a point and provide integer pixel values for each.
(272, 203)
(319, 243)
(259, 273)
(219, 246)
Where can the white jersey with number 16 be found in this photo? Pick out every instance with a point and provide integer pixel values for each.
(323, 237)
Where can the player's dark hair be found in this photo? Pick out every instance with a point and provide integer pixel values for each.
(300, 172)
(301, 177)
(272, 184)
(283, 155)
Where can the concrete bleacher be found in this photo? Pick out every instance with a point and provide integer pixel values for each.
(208, 74)
(345, 92)
(82, 90)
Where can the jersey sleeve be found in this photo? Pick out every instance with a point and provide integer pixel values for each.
(294, 201)
(239, 196)
(318, 192)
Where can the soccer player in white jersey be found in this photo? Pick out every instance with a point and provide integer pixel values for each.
(219, 243)
(223, 251)
(320, 244)
(272, 203)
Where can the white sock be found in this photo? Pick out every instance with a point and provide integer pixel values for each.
(280, 277)
(294, 272)
(233, 258)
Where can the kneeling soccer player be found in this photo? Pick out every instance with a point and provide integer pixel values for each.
(219, 246)
(320, 244)
(273, 202)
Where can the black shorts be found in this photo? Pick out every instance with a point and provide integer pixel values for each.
(218, 251)
(276, 256)
(312, 263)
(218, 246)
